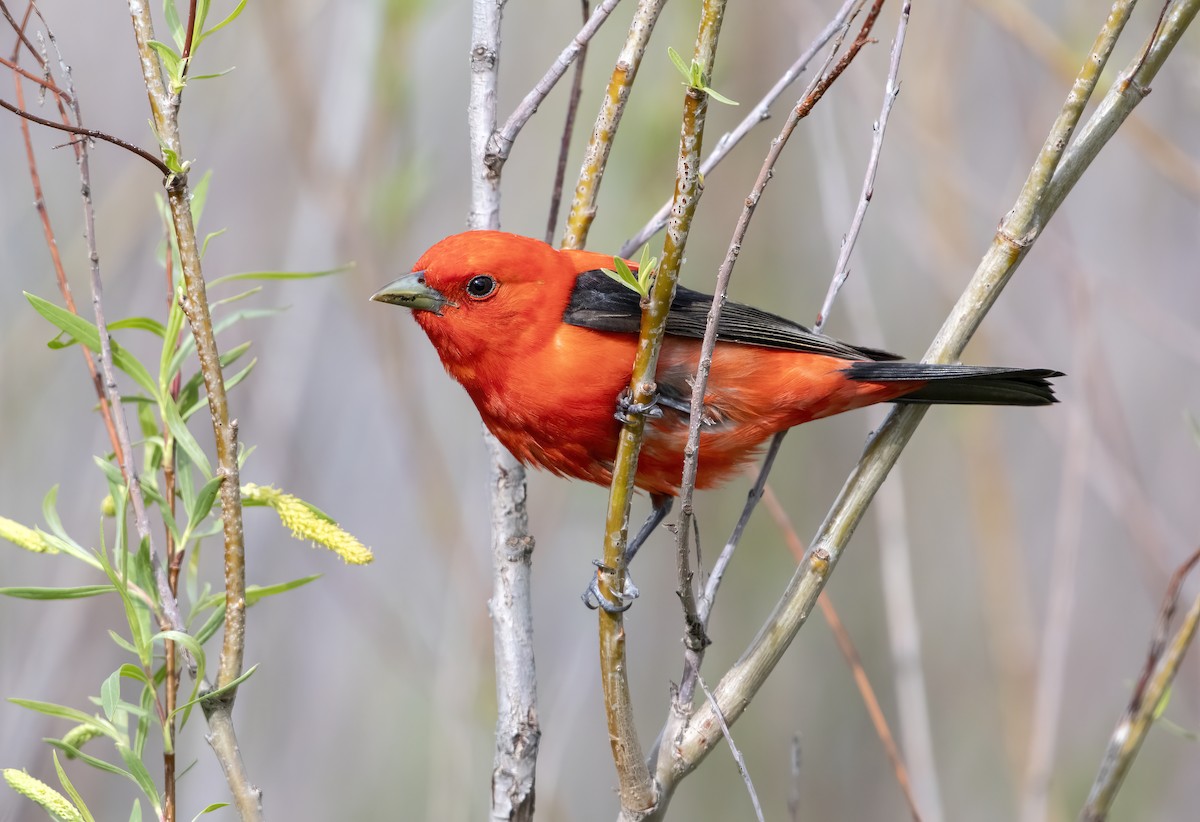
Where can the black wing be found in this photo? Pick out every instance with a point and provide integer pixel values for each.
(602, 304)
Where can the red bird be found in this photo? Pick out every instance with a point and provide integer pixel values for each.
(544, 343)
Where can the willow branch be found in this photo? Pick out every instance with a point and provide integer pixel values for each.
(756, 115)
(638, 794)
(595, 157)
(500, 144)
(891, 90)
(194, 302)
(1162, 664)
(1009, 246)
(517, 731)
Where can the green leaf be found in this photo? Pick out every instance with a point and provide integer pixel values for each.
(71, 792)
(210, 626)
(75, 753)
(78, 592)
(250, 292)
(133, 616)
(204, 504)
(254, 593)
(213, 75)
(64, 712)
(172, 64)
(142, 777)
(110, 694)
(216, 692)
(229, 18)
(216, 806)
(87, 334)
(143, 323)
(212, 235)
(279, 275)
(135, 815)
(122, 642)
(683, 67)
(175, 320)
(720, 98)
(174, 23)
(200, 190)
(184, 438)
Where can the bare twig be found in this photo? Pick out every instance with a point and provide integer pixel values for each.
(88, 132)
(595, 157)
(1012, 241)
(1162, 664)
(756, 115)
(737, 755)
(560, 171)
(517, 730)
(501, 141)
(891, 90)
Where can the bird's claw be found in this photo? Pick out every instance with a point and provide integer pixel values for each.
(627, 409)
(593, 598)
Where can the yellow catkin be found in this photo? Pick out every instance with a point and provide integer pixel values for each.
(306, 524)
(54, 803)
(78, 736)
(27, 538)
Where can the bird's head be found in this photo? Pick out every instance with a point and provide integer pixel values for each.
(485, 293)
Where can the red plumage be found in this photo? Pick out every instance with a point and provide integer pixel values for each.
(518, 324)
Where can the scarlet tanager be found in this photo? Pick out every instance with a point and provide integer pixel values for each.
(544, 341)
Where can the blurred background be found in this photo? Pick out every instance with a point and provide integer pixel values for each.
(1040, 540)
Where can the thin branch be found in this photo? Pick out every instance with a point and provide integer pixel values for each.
(194, 302)
(1009, 247)
(45, 82)
(891, 90)
(756, 115)
(564, 150)
(1162, 664)
(608, 119)
(517, 731)
(88, 132)
(638, 794)
(737, 755)
(500, 144)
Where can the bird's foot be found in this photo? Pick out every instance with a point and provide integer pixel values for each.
(627, 409)
(593, 598)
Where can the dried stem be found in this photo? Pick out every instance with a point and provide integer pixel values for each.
(737, 755)
(1162, 664)
(891, 90)
(501, 141)
(638, 794)
(595, 158)
(1012, 241)
(517, 731)
(756, 115)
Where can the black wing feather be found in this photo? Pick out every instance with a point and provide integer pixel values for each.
(602, 304)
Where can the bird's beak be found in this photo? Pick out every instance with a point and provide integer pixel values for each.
(411, 291)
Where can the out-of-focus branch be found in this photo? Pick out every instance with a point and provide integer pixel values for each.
(756, 115)
(517, 731)
(1162, 664)
(1009, 247)
(500, 143)
(638, 794)
(194, 302)
(595, 158)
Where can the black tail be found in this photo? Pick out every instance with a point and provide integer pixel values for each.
(963, 384)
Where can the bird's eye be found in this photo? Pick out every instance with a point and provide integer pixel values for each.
(481, 286)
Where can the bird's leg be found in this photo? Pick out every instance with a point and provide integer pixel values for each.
(627, 408)
(592, 598)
